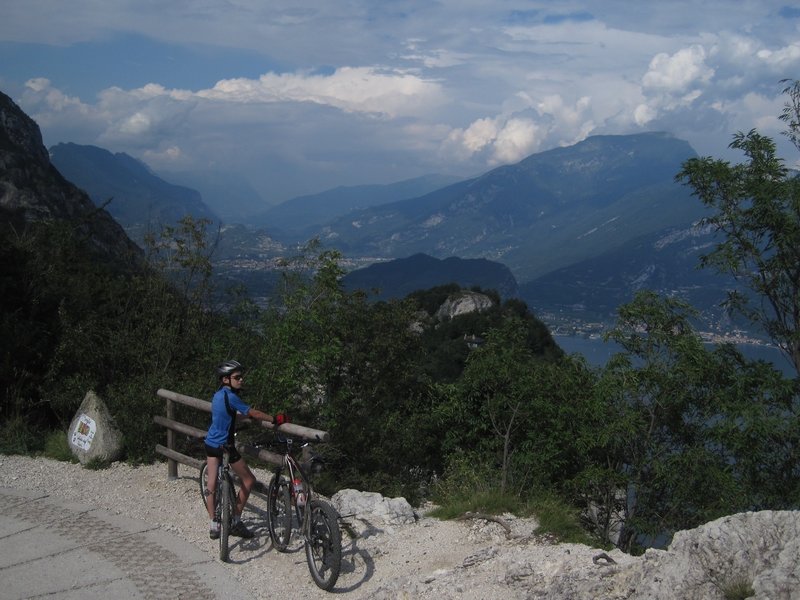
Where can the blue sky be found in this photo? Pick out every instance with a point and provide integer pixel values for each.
(300, 96)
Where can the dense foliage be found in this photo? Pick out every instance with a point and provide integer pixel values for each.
(668, 435)
(757, 209)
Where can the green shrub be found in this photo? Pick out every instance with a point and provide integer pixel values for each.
(471, 485)
(556, 517)
(465, 475)
(133, 404)
(18, 436)
(57, 447)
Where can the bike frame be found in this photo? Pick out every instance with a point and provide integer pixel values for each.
(295, 472)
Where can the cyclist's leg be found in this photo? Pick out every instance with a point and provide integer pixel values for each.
(248, 480)
(213, 465)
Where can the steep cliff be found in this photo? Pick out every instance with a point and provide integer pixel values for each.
(32, 190)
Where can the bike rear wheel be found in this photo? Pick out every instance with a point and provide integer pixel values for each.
(203, 482)
(324, 544)
(224, 494)
(279, 512)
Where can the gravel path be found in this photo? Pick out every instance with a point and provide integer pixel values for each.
(144, 493)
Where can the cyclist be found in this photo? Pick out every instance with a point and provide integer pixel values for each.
(224, 406)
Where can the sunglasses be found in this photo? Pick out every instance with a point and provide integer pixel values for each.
(237, 377)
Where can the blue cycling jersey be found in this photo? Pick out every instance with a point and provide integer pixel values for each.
(222, 422)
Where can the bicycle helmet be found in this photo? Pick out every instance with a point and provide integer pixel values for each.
(228, 368)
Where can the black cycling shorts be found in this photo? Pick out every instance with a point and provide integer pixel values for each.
(233, 453)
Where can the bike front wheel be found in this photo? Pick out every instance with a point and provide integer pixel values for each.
(225, 494)
(279, 512)
(324, 544)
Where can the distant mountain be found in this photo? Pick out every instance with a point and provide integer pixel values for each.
(400, 277)
(32, 190)
(300, 217)
(666, 261)
(140, 200)
(551, 210)
(228, 195)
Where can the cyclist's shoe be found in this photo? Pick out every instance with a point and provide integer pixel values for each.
(239, 530)
(213, 531)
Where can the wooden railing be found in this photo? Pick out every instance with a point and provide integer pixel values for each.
(174, 457)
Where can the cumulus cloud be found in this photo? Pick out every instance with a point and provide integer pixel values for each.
(500, 140)
(392, 93)
(672, 82)
(64, 117)
(40, 92)
(516, 140)
(677, 72)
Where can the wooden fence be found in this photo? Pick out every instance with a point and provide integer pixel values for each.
(174, 457)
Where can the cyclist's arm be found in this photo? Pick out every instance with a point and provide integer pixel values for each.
(254, 413)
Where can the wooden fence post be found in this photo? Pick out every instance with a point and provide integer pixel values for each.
(172, 465)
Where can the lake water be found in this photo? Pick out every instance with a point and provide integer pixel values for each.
(597, 352)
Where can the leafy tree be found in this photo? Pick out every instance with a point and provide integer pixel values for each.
(296, 337)
(757, 206)
(682, 424)
(519, 408)
(445, 341)
(496, 383)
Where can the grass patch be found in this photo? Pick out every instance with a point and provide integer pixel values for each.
(492, 503)
(469, 486)
(97, 464)
(556, 517)
(737, 588)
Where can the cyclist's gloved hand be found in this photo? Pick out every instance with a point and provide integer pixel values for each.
(280, 419)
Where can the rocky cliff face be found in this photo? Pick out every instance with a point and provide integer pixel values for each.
(32, 190)
(746, 555)
(463, 303)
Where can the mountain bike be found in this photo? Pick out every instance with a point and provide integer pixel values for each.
(224, 500)
(290, 495)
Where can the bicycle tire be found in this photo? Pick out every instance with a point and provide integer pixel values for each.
(279, 512)
(324, 544)
(225, 521)
(203, 482)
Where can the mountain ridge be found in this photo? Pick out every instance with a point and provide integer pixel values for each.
(33, 190)
(547, 211)
(301, 214)
(400, 277)
(139, 199)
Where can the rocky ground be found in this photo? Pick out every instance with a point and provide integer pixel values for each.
(470, 559)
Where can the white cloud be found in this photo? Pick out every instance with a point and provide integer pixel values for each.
(677, 72)
(501, 140)
(351, 89)
(786, 57)
(515, 141)
(479, 134)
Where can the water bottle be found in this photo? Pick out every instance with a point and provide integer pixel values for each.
(299, 494)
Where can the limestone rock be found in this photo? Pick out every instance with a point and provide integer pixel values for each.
(370, 512)
(463, 303)
(757, 550)
(92, 433)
